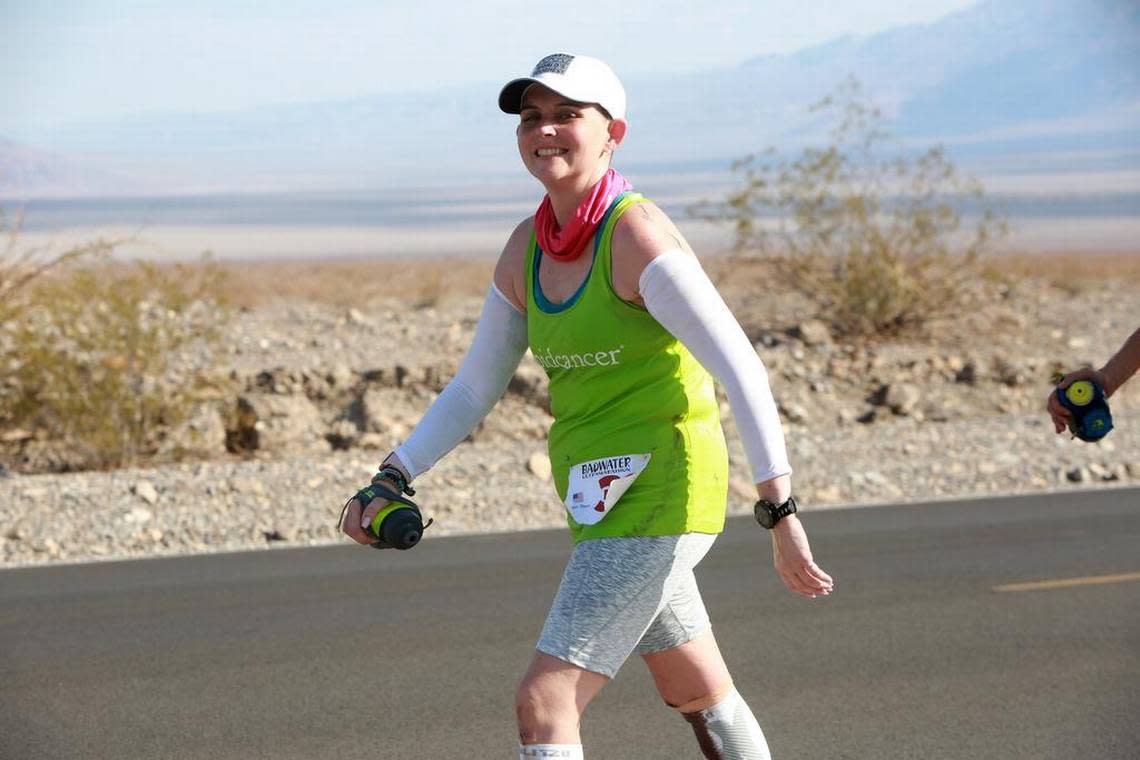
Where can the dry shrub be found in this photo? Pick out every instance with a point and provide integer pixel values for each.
(877, 244)
(105, 358)
(23, 266)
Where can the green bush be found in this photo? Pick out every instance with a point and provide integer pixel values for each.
(103, 358)
(877, 243)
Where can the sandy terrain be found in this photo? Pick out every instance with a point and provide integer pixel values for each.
(954, 411)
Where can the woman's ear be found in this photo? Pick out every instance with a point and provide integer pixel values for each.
(617, 129)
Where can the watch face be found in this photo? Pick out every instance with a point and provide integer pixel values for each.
(768, 514)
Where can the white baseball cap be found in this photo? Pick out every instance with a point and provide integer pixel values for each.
(578, 77)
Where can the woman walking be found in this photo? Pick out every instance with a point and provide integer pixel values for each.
(604, 290)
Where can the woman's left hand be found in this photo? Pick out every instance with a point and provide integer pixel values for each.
(792, 557)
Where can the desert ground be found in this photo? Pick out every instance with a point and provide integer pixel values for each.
(333, 362)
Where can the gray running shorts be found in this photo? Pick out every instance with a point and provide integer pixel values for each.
(621, 595)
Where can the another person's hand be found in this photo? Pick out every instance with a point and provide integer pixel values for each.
(792, 556)
(1062, 417)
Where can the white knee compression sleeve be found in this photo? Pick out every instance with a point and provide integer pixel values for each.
(728, 731)
(555, 751)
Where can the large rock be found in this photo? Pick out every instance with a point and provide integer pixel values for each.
(814, 332)
(374, 414)
(316, 385)
(203, 434)
(968, 374)
(539, 465)
(1077, 475)
(382, 411)
(340, 376)
(356, 317)
(1010, 373)
(279, 380)
(531, 384)
(146, 491)
(279, 424)
(342, 434)
(793, 412)
(902, 398)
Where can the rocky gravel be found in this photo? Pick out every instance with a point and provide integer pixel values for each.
(320, 393)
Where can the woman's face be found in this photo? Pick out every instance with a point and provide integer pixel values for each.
(561, 139)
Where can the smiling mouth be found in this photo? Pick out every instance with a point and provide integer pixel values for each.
(547, 152)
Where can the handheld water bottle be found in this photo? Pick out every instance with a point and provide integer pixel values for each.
(1086, 401)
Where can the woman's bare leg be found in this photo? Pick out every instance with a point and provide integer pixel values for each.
(690, 671)
(551, 698)
(693, 679)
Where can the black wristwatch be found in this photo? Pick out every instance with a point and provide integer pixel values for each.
(768, 514)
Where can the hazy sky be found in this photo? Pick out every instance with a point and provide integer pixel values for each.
(70, 61)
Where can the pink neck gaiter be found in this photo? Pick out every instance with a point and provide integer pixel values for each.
(567, 243)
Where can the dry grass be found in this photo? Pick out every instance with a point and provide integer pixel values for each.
(429, 283)
(359, 284)
(1060, 269)
(1068, 270)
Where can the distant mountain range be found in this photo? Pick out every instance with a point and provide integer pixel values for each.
(1054, 83)
(27, 172)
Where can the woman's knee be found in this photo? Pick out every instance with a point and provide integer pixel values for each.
(533, 702)
(690, 672)
(543, 711)
(551, 698)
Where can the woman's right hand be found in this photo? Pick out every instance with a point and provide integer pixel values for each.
(357, 521)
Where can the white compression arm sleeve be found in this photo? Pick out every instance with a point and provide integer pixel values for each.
(498, 347)
(681, 297)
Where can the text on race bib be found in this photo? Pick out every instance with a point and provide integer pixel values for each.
(594, 487)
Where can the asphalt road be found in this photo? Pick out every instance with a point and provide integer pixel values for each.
(345, 652)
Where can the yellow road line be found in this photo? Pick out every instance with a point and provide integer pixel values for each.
(1092, 580)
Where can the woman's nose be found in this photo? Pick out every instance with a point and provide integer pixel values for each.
(547, 130)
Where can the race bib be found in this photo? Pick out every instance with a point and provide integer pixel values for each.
(595, 486)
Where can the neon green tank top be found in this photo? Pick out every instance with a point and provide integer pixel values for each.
(622, 387)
